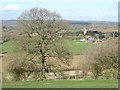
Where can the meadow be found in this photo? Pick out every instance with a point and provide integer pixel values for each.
(76, 47)
(63, 84)
(11, 47)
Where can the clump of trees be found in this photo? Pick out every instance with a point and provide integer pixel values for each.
(21, 66)
(41, 39)
(105, 60)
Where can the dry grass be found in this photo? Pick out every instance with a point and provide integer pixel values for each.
(80, 62)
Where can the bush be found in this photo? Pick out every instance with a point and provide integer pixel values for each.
(22, 67)
(105, 59)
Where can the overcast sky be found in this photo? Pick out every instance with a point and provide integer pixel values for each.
(81, 10)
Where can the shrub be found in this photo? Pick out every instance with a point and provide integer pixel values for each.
(105, 59)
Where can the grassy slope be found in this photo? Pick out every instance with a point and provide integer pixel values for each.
(76, 47)
(11, 47)
(63, 84)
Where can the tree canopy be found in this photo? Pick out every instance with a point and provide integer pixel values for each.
(42, 39)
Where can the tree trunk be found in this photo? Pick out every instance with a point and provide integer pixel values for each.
(43, 67)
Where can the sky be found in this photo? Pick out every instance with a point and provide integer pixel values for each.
(80, 10)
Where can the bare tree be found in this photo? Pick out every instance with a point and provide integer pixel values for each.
(43, 36)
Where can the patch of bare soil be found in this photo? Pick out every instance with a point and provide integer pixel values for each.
(79, 62)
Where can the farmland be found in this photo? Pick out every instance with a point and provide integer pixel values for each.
(76, 47)
(63, 84)
(10, 47)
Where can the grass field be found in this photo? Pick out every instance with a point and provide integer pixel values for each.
(11, 47)
(76, 47)
(63, 84)
(73, 31)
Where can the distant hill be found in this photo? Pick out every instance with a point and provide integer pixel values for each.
(104, 23)
(79, 23)
(8, 23)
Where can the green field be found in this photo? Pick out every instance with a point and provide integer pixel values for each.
(76, 47)
(11, 47)
(73, 31)
(63, 84)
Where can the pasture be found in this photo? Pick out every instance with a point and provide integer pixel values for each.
(63, 84)
(76, 47)
(11, 47)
